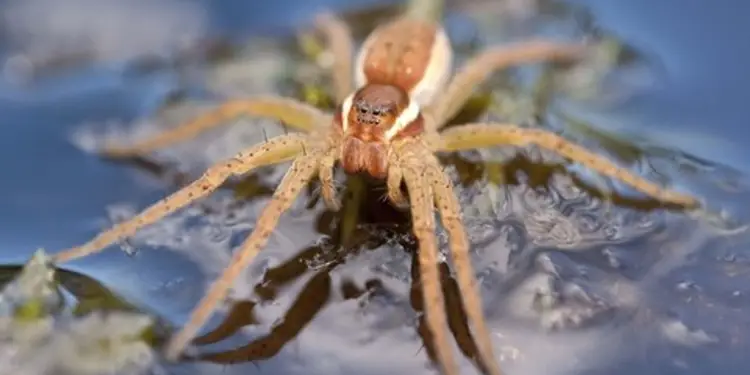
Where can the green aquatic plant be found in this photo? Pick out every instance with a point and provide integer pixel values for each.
(41, 334)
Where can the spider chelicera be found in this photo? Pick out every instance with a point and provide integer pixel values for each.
(394, 99)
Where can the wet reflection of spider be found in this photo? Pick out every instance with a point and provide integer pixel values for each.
(388, 125)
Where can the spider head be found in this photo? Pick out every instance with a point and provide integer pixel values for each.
(370, 119)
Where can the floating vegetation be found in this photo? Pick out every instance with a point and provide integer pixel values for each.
(39, 336)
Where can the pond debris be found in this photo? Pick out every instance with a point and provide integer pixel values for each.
(680, 333)
(38, 338)
(550, 227)
(32, 294)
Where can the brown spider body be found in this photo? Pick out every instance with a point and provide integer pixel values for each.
(370, 119)
(389, 124)
(414, 55)
(395, 75)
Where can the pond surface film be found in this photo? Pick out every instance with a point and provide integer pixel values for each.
(579, 274)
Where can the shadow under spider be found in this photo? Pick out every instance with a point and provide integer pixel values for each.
(365, 222)
(378, 222)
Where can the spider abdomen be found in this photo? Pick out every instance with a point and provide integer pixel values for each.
(412, 54)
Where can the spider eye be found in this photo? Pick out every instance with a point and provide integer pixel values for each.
(377, 112)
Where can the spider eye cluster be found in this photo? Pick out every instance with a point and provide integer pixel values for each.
(375, 105)
(373, 113)
(366, 108)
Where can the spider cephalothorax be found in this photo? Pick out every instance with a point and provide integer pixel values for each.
(371, 119)
(389, 126)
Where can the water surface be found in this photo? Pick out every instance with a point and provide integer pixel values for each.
(571, 283)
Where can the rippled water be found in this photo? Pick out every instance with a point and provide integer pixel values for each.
(573, 283)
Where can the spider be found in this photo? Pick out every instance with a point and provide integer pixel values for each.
(394, 99)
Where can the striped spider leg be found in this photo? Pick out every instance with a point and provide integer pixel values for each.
(432, 180)
(472, 136)
(314, 150)
(385, 113)
(292, 113)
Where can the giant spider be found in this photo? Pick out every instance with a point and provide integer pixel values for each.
(389, 127)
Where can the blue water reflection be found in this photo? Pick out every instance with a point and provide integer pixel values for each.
(700, 106)
(53, 195)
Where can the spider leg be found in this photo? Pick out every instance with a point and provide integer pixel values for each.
(450, 215)
(300, 173)
(328, 183)
(393, 182)
(290, 112)
(480, 67)
(472, 136)
(341, 46)
(276, 150)
(423, 218)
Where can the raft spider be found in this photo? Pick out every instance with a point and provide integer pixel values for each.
(388, 124)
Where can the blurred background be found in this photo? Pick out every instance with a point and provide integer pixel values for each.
(580, 275)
